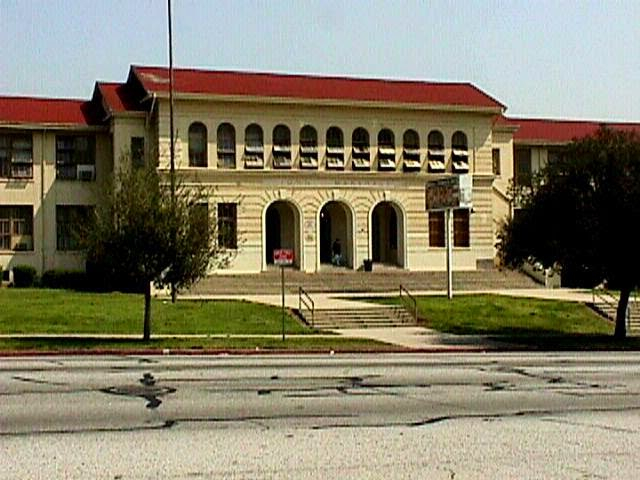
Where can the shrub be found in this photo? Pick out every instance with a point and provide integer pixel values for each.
(66, 279)
(24, 276)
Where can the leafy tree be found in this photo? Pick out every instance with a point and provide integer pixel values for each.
(581, 213)
(131, 242)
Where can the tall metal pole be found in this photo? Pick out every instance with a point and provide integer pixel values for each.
(449, 245)
(172, 149)
(282, 279)
(172, 153)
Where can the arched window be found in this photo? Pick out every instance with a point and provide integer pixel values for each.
(435, 152)
(197, 145)
(253, 147)
(386, 150)
(460, 152)
(411, 150)
(335, 148)
(308, 147)
(360, 149)
(281, 147)
(226, 146)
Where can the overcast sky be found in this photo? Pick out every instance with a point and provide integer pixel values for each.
(565, 59)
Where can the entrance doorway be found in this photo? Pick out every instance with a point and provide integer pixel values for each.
(387, 236)
(282, 230)
(336, 235)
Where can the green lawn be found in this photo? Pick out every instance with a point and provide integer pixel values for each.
(526, 323)
(503, 315)
(62, 312)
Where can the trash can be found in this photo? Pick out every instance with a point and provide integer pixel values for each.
(368, 264)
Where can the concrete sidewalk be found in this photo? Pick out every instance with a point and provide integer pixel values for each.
(351, 300)
(414, 337)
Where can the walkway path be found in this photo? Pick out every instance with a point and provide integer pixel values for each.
(411, 337)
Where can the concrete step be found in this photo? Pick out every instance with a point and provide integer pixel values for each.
(609, 311)
(366, 317)
(384, 280)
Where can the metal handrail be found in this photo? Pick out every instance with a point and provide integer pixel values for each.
(307, 301)
(605, 296)
(413, 300)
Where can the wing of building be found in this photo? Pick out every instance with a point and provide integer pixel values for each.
(293, 161)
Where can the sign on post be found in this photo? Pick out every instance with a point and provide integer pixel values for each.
(447, 194)
(283, 257)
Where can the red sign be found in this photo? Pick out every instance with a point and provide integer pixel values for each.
(283, 256)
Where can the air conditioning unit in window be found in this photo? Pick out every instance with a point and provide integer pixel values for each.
(86, 173)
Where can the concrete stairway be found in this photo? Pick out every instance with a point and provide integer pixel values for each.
(608, 308)
(380, 280)
(362, 317)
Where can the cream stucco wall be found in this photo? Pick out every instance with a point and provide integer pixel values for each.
(43, 193)
(359, 192)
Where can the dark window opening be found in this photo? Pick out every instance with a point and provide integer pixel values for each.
(227, 225)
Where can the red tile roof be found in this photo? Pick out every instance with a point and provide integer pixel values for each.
(33, 110)
(156, 79)
(116, 97)
(561, 131)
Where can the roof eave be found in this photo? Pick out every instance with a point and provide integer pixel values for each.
(540, 142)
(331, 102)
(53, 126)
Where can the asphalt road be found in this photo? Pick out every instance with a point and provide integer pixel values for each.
(394, 416)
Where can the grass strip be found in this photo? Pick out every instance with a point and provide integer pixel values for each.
(63, 312)
(488, 314)
(311, 343)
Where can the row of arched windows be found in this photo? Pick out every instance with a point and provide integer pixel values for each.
(253, 154)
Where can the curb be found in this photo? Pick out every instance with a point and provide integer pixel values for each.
(244, 352)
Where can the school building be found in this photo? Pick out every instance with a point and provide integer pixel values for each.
(293, 161)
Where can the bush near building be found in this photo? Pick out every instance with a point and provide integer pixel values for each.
(24, 276)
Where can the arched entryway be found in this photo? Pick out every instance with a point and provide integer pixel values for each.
(387, 234)
(282, 230)
(336, 235)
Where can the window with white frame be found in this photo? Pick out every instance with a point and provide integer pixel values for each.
(16, 227)
(411, 151)
(335, 149)
(459, 153)
(16, 156)
(75, 157)
(197, 145)
(226, 145)
(360, 154)
(437, 228)
(495, 161)
(70, 219)
(308, 147)
(281, 147)
(386, 150)
(253, 147)
(522, 171)
(228, 225)
(435, 152)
